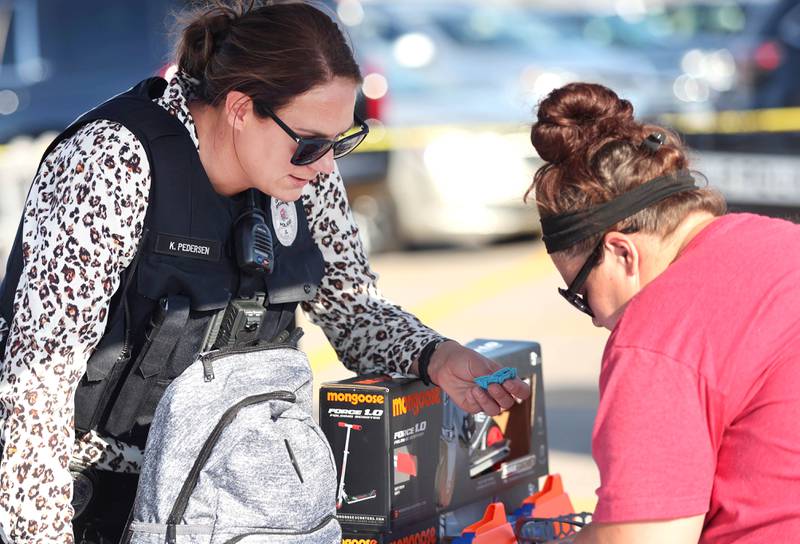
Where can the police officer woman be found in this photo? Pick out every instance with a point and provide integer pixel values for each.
(155, 210)
(697, 434)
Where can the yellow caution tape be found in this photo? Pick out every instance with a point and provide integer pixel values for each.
(736, 122)
(722, 122)
(383, 138)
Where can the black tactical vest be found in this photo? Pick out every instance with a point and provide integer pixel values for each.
(184, 272)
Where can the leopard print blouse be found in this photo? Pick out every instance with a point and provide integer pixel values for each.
(81, 225)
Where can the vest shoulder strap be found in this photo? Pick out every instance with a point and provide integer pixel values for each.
(133, 109)
(148, 122)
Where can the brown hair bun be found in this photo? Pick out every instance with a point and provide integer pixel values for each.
(594, 150)
(576, 115)
(201, 37)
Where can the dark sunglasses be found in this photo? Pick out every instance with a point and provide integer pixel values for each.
(572, 293)
(313, 149)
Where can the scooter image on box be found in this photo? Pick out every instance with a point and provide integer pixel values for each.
(487, 447)
(342, 496)
(461, 443)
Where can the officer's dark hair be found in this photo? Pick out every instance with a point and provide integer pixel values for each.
(272, 53)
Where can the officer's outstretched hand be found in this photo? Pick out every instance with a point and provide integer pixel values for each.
(454, 368)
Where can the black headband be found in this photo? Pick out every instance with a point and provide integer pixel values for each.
(567, 229)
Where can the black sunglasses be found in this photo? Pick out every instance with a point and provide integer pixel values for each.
(312, 149)
(572, 293)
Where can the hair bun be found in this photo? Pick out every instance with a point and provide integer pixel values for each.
(576, 115)
(202, 38)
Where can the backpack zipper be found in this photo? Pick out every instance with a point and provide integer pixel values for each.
(207, 358)
(182, 501)
(326, 520)
(293, 459)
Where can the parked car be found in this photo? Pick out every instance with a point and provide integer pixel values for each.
(709, 48)
(756, 162)
(59, 59)
(452, 86)
(776, 81)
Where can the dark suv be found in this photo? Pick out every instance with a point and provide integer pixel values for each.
(777, 79)
(60, 58)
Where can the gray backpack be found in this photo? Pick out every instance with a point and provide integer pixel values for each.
(234, 455)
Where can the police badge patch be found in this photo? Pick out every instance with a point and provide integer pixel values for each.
(284, 220)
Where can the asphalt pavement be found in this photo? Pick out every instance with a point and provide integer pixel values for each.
(506, 291)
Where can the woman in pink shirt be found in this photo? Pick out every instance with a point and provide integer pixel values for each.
(697, 435)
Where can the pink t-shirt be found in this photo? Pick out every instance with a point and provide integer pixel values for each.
(700, 389)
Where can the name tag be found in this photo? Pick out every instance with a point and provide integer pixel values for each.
(208, 250)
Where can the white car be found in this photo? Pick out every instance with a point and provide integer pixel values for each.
(450, 92)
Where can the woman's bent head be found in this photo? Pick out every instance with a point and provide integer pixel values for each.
(594, 152)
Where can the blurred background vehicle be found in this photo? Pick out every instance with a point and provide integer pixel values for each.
(450, 90)
(709, 48)
(57, 60)
(776, 83)
(747, 144)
